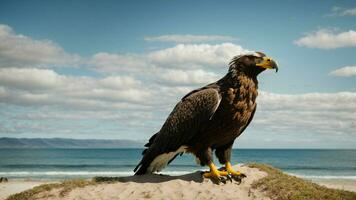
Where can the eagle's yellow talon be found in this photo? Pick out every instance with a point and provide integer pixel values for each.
(230, 170)
(214, 173)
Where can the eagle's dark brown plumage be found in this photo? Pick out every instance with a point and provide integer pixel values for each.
(209, 118)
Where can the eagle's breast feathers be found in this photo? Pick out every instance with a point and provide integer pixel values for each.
(238, 105)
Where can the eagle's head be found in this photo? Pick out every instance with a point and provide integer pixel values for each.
(252, 64)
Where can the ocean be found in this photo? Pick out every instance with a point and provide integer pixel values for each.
(59, 164)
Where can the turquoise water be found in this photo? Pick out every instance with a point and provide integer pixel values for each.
(86, 163)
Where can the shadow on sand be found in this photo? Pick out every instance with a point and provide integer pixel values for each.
(152, 178)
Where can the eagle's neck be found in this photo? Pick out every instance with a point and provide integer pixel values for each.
(236, 79)
(239, 89)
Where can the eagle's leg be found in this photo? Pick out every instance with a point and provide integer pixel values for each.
(224, 155)
(205, 158)
(231, 170)
(236, 175)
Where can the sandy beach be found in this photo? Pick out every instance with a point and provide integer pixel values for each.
(343, 184)
(188, 186)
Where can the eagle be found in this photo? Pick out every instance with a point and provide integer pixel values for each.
(209, 119)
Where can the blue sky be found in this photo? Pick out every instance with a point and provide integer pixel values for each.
(91, 69)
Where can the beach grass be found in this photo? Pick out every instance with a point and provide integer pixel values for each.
(63, 188)
(280, 186)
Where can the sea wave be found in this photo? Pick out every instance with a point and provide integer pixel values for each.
(324, 176)
(317, 168)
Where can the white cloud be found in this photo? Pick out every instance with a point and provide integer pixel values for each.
(338, 11)
(32, 86)
(328, 39)
(119, 82)
(59, 122)
(190, 38)
(106, 62)
(310, 101)
(183, 64)
(344, 71)
(19, 50)
(196, 55)
(182, 77)
(29, 78)
(182, 56)
(82, 114)
(349, 12)
(310, 113)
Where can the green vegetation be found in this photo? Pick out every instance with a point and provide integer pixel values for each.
(63, 187)
(281, 186)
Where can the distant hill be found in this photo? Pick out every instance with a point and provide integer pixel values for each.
(6, 143)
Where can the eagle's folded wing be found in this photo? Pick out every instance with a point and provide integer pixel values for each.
(182, 124)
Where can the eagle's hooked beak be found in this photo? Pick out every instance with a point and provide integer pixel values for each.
(268, 63)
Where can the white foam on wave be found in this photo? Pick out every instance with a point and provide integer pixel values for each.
(324, 177)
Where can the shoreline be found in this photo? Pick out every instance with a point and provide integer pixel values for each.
(342, 184)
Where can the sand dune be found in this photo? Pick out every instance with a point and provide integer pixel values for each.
(190, 186)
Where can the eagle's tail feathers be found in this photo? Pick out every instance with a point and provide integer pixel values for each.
(153, 161)
(143, 167)
(148, 157)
